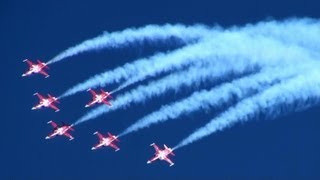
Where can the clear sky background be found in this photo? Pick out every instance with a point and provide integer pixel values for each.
(284, 147)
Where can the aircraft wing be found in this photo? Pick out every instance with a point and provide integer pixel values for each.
(28, 62)
(44, 73)
(39, 96)
(54, 107)
(106, 102)
(115, 147)
(92, 92)
(53, 124)
(68, 135)
(155, 147)
(169, 161)
(113, 137)
(99, 135)
(42, 64)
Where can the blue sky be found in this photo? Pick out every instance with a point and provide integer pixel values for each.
(284, 147)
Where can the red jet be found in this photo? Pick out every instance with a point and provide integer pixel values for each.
(106, 141)
(162, 154)
(36, 68)
(60, 130)
(99, 98)
(46, 102)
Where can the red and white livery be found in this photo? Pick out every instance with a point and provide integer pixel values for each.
(99, 98)
(36, 68)
(162, 154)
(46, 102)
(106, 141)
(60, 130)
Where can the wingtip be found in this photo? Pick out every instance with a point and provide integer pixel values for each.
(49, 122)
(47, 137)
(148, 162)
(95, 133)
(93, 148)
(152, 144)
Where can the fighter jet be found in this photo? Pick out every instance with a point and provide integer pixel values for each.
(162, 154)
(99, 98)
(60, 130)
(36, 68)
(46, 102)
(106, 141)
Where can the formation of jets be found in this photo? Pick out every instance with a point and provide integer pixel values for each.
(98, 98)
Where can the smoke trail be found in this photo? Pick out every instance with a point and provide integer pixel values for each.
(141, 68)
(217, 69)
(205, 99)
(306, 28)
(227, 44)
(151, 33)
(144, 92)
(296, 94)
(287, 31)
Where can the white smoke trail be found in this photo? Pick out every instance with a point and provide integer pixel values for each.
(227, 44)
(192, 76)
(301, 32)
(296, 94)
(286, 30)
(206, 99)
(216, 69)
(141, 68)
(151, 33)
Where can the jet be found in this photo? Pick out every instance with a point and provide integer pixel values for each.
(36, 68)
(60, 130)
(106, 141)
(99, 98)
(162, 154)
(46, 102)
